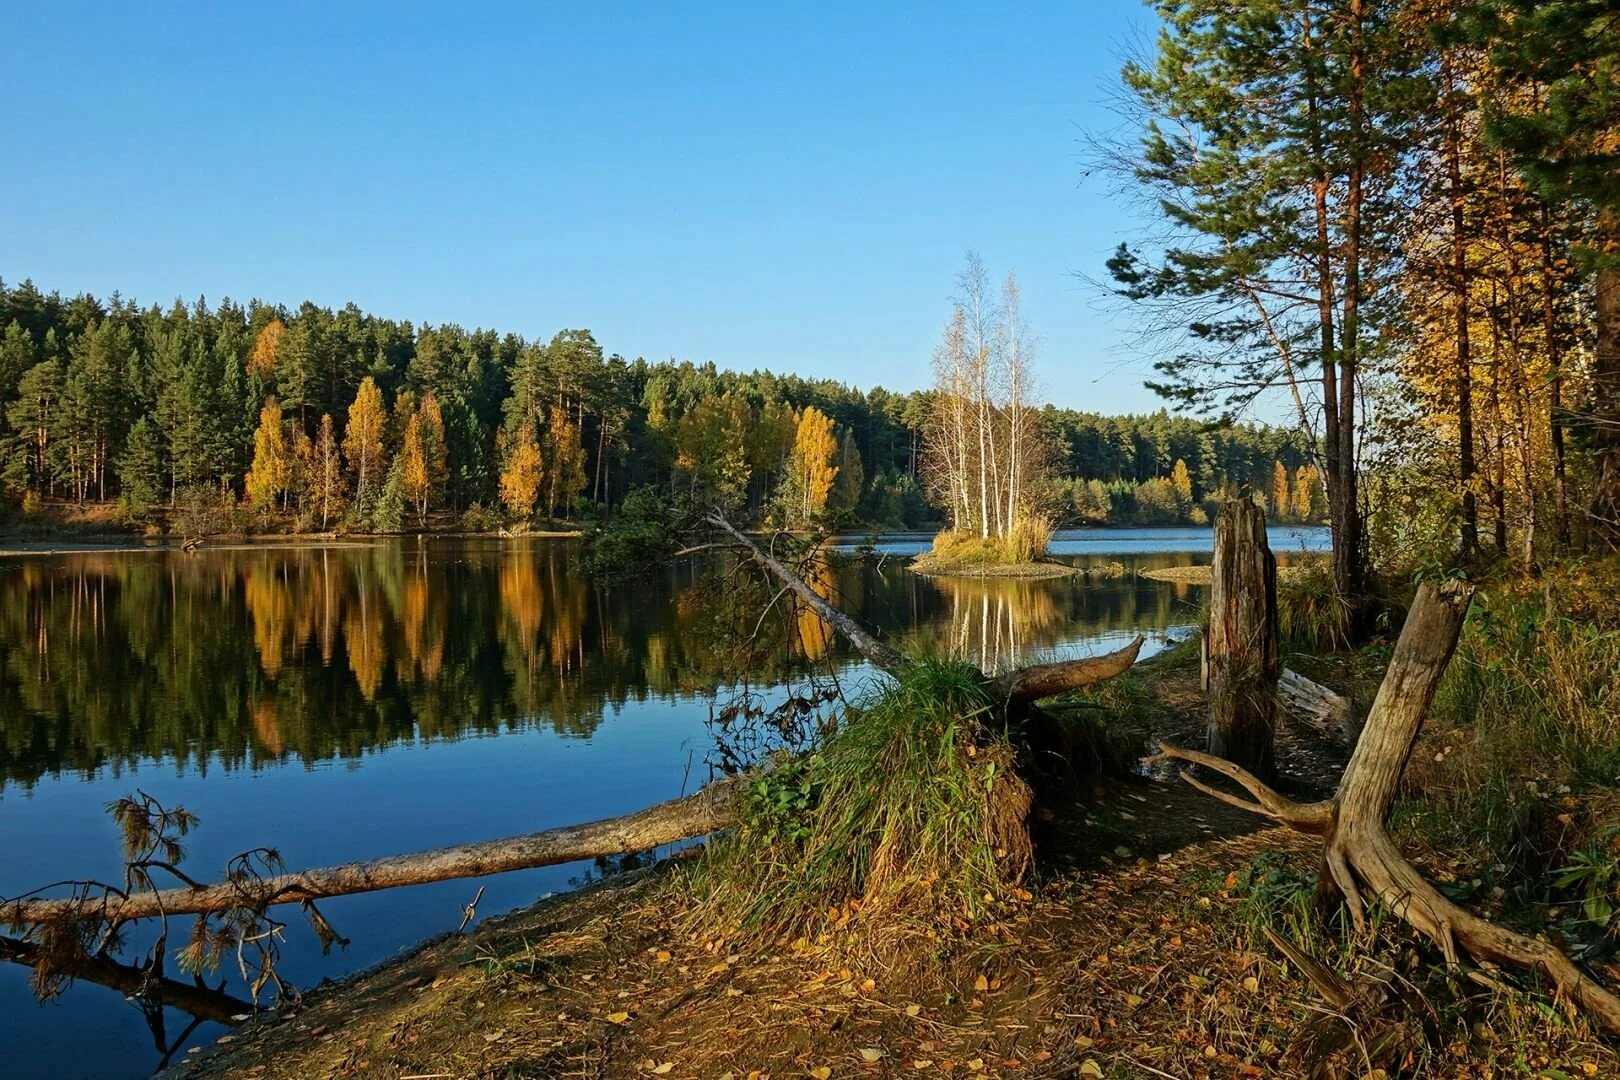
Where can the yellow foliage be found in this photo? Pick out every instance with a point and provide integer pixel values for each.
(523, 474)
(272, 462)
(363, 435)
(262, 360)
(815, 452)
(413, 468)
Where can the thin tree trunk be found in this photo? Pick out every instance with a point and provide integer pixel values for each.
(1555, 380)
(1460, 283)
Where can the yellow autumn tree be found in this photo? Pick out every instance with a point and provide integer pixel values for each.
(565, 461)
(1181, 481)
(262, 360)
(1279, 490)
(272, 460)
(363, 437)
(1309, 503)
(814, 467)
(413, 467)
(523, 474)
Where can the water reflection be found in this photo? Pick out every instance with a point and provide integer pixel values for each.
(249, 657)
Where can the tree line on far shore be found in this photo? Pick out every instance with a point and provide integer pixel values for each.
(263, 417)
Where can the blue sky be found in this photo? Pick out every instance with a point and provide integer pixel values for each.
(757, 185)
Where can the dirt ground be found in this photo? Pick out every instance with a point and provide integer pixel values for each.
(1133, 954)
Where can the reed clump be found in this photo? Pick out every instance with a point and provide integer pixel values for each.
(1025, 542)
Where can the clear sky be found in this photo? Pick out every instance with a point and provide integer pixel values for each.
(760, 185)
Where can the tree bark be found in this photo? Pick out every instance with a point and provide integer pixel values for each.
(1242, 639)
(1359, 858)
(679, 819)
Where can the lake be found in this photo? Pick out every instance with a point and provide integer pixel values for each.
(355, 700)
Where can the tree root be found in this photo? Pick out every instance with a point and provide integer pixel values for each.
(1360, 859)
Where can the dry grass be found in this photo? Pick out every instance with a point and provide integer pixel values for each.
(1149, 968)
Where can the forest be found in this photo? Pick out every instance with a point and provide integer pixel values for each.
(243, 418)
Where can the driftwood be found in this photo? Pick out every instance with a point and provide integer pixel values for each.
(1319, 708)
(666, 823)
(1240, 650)
(1359, 859)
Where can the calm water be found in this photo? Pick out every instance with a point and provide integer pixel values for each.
(353, 701)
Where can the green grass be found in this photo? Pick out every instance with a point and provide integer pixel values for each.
(911, 809)
(1521, 753)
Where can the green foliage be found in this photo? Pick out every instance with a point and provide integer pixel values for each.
(1521, 750)
(140, 467)
(388, 513)
(78, 375)
(641, 534)
(1594, 873)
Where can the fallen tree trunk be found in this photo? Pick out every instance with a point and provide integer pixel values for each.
(1024, 685)
(1319, 708)
(132, 981)
(679, 819)
(1359, 859)
(868, 646)
(666, 823)
(1049, 680)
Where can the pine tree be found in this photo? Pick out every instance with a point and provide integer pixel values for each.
(851, 479)
(140, 467)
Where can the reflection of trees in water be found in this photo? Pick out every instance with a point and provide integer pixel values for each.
(254, 656)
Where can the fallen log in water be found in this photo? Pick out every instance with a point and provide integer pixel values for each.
(679, 819)
(666, 823)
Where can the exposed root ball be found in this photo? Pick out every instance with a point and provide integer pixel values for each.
(912, 814)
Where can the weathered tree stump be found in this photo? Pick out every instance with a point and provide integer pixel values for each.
(1241, 646)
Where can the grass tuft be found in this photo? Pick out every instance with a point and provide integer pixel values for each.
(909, 815)
(1025, 542)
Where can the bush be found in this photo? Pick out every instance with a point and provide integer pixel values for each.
(206, 510)
(477, 519)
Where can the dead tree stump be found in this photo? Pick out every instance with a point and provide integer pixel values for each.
(1241, 646)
